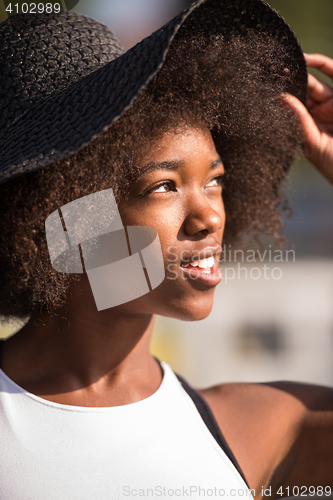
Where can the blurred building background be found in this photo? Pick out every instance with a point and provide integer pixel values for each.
(260, 329)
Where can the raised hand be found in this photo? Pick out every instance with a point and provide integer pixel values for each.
(317, 120)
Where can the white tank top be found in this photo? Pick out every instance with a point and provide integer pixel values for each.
(156, 448)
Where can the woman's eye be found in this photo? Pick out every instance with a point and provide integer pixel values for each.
(217, 181)
(163, 187)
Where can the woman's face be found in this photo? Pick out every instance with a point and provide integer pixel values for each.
(178, 193)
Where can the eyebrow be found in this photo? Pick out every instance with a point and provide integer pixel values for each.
(172, 165)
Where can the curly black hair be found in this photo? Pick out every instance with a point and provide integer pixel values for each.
(230, 84)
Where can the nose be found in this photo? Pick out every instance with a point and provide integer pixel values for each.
(202, 217)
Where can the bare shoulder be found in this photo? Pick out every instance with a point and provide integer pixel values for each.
(259, 421)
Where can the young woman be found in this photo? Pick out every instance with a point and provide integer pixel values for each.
(211, 99)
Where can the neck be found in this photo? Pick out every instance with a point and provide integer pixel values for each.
(84, 357)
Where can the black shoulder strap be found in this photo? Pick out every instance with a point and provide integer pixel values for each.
(209, 419)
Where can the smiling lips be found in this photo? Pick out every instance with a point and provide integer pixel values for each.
(204, 270)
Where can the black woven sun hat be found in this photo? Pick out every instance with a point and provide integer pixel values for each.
(65, 79)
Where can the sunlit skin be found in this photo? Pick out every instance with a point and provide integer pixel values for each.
(184, 204)
(90, 358)
(280, 433)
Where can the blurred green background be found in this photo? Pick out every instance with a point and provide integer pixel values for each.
(311, 21)
(258, 330)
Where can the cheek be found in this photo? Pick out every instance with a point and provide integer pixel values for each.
(169, 244)
(165, 220)
(166, 225)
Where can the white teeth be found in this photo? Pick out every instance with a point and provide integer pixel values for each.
(204, 263)
(211, 261)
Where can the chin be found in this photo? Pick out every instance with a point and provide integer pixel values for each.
(191, 308)
(183, 303)
(198, 314)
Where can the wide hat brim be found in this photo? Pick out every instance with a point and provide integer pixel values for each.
(70, 119)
